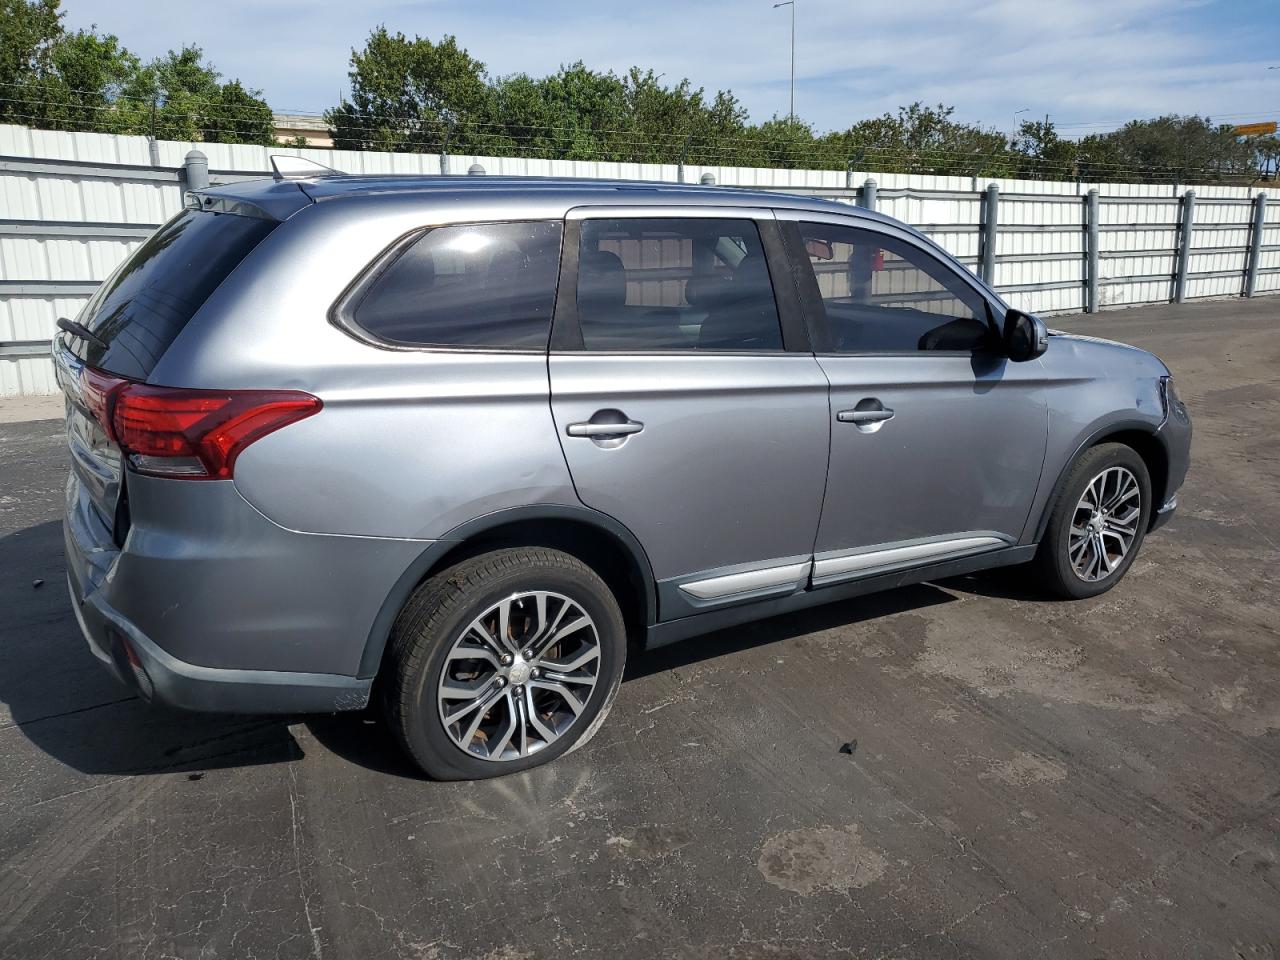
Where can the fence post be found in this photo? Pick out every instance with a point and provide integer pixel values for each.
(195, 169)
(684, 152)
(1255, 243)
(1184, 246)
(989, 217)
(444, 151)
(153, 151)
(868, 197)
(1091, 213)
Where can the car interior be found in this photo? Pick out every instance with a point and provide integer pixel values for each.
(695, 289)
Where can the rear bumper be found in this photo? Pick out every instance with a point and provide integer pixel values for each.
(210, 606)
(133, 659)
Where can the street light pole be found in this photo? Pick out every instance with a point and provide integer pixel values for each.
(1014, 131)
(791, 116)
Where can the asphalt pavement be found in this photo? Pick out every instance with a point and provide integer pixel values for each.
(959, 769)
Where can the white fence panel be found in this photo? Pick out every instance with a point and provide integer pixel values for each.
(73, 205)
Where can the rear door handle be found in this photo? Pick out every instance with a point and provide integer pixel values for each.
(589, 429)
(865, 416)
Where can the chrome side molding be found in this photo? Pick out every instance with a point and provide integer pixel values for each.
(867, 562)
(714, 588)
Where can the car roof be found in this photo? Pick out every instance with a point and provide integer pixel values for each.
(280, 198)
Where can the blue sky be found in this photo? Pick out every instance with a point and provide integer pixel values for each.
(1087, 63)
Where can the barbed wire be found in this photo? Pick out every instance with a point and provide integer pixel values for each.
(478, 137)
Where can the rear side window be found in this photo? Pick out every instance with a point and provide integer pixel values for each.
(145, 304)
(487, 285)
(675, 284)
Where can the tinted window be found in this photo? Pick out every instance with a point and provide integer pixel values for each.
(675, 284)
(883, 295)
(145, 304)
(473, 285)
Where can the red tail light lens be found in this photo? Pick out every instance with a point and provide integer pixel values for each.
(98, 389)
(197, 434)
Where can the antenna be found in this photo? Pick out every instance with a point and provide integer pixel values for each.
(288, 167)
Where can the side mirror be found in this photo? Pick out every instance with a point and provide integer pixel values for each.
(1025, 336)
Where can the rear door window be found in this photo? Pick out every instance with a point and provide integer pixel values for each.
(140, 310)
(675, 284)
(482, 285)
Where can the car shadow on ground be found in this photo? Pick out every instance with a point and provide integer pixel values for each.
(61, 699)
(364, 739)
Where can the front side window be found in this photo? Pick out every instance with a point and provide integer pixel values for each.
(884, 295)
(486, 285)
(675, 284)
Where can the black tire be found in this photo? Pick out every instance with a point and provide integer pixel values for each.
(437, 615)
(1052, 563)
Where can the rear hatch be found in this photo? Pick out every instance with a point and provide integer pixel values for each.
(127, 326)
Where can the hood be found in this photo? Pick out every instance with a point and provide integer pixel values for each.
(1110, 355)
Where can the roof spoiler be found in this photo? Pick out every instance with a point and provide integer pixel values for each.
(288, 167)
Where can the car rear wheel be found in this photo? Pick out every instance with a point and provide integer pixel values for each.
(1097, 524)
(503, 662)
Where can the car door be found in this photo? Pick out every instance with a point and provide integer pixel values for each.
(686, 398)
(937, 440)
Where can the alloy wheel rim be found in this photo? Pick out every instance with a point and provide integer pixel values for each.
(1104, 524)
(519, 676)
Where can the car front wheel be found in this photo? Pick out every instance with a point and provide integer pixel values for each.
(503, 662)
(1097, 524)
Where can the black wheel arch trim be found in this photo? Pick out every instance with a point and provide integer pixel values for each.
(1098, 435)
(413, 575)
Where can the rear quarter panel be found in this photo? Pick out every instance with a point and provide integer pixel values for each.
(410, 443)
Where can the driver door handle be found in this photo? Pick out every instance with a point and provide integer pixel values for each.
(589, 429)
(865, 416)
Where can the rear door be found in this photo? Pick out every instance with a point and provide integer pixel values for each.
(937, 440)
(686, 398)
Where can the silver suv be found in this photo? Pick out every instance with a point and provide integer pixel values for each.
(450, 442)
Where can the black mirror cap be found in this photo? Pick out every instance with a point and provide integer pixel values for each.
(1025, 336)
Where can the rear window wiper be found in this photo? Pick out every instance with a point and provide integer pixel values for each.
(80, 330)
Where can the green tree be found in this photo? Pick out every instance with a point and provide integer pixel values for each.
(181, 97)
(28, 31)
(923, 139)
(412, 95)
(87, 80)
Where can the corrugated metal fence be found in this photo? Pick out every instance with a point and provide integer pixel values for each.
(73, 205)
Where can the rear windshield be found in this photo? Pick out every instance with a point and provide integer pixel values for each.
(144, 305)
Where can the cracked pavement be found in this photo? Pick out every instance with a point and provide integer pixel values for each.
(1097, 779)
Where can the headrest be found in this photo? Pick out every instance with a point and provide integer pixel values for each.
(602, 281)
(707, 290)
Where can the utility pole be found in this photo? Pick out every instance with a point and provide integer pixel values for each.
(791, 116)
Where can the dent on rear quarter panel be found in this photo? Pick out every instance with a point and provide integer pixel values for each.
(433, 445)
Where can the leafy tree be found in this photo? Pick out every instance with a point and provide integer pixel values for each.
(28, 31)
(88, 80)
(181, 97)
(411, 95)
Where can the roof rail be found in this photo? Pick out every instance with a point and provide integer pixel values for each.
(288, 167)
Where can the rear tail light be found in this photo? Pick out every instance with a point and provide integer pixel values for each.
(172, 432)
(190, 434)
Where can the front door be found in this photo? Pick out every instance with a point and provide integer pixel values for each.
(937, 440)
(686, 401)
